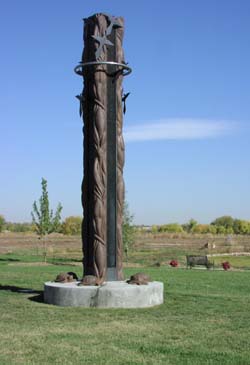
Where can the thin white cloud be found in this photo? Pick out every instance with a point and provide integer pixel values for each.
(178, 129)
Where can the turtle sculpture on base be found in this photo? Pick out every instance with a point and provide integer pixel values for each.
(139, 279)
(66, 277)
(91, 280)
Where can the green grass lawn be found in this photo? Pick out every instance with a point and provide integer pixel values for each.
(204, 320)
(237, 262)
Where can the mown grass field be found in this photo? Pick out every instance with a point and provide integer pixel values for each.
(204, 319)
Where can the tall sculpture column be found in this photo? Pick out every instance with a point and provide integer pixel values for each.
(102, 68)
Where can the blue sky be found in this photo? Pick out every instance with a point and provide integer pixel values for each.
(187, 121)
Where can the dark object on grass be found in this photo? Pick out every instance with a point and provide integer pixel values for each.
(139, 279)
(65, 277)
(90, 280)
(173, 263)
(194, 260)
(226, 265)
(157, 264)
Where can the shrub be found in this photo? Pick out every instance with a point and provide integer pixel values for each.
(171, 228)
(221, 230)
(174, 263)
(204, 228)
(154, 229)
(229, 230)
(226, 265)
(2, 222)
(188, 227)
(72, 225)
(241, 226)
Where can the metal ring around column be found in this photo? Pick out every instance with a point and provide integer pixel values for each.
(125, 68)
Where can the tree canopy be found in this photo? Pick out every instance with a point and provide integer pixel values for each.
(72, 225)
(43, 218)
(225, 221)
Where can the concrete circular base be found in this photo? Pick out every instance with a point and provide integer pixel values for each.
(112, 294)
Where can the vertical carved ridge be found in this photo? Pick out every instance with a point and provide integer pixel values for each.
(94, 181)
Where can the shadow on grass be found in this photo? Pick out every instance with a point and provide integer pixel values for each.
(9, 260)
(17, 289)
(37, 298)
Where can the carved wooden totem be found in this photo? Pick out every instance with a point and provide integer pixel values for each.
(102, 68)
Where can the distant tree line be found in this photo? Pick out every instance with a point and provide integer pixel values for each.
(72, 226)
(221, 225)
(15, 227)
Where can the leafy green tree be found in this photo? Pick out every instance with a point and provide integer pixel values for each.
(188, 227)
(225, 221)
(241, 226)
(221, 229)
(171, 228)
(204, 228)
(72, 225)
(43, 218)
(2, 223)
(212, 229)
(229, 230)
(155, 229)
(128, 231)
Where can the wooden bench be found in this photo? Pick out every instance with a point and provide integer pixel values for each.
(194, 260)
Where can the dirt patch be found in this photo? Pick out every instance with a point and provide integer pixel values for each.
(131, 264)
(10, 242)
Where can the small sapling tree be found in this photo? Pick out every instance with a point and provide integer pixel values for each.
(44, 219)
(128, 231)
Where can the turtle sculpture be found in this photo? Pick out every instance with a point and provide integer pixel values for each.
(90, 280)
(66, 277)
(75, 277)
(139, 279)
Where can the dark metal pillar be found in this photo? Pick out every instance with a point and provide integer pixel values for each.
(102, 67)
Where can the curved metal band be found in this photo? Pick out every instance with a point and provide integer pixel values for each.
(125, 68)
